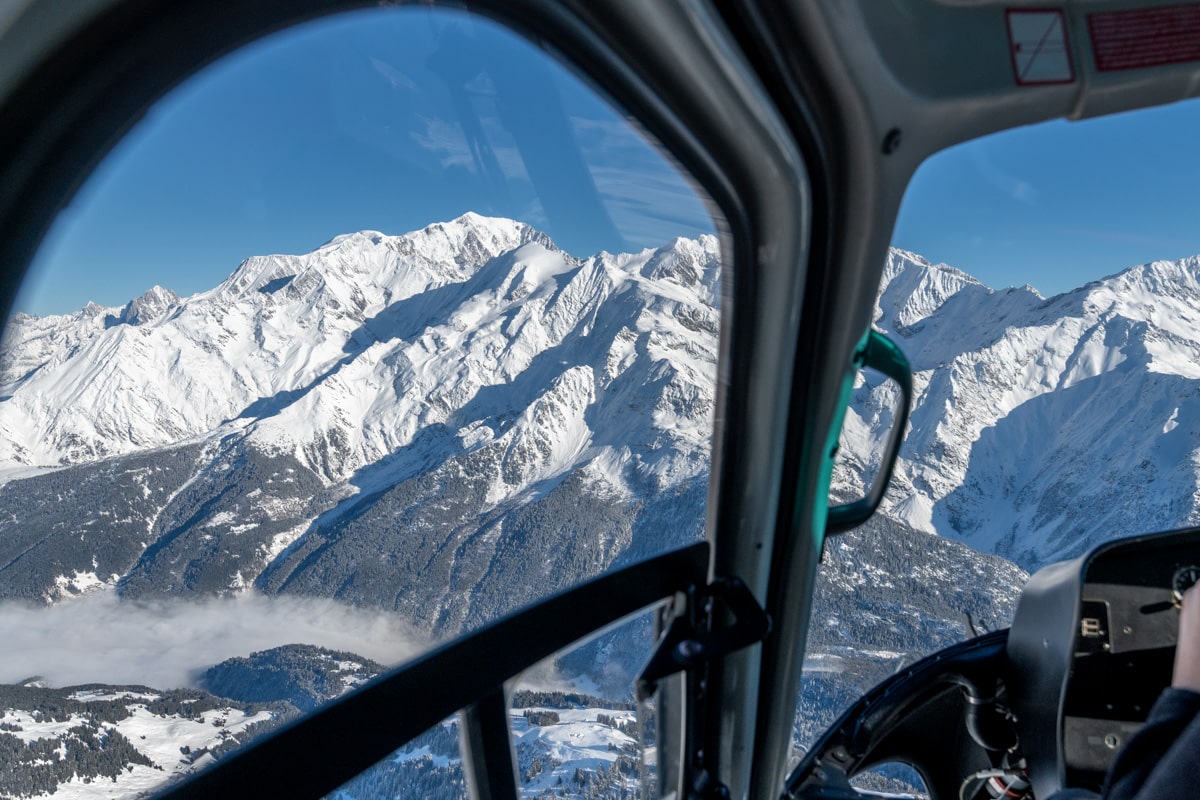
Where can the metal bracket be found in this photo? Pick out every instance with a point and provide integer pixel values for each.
(700, 632)
(691, 640)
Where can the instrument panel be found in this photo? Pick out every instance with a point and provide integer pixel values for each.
(1124, 646)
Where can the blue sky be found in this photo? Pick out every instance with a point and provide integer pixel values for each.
(381, 120)
(1059, 204)
(391, 119)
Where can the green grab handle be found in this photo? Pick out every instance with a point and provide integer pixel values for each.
(881, 354)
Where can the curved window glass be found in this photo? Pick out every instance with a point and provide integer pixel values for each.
(368, 334)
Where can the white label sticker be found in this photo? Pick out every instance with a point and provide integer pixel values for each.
(1038, 42)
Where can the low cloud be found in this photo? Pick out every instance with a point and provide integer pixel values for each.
(100, 638)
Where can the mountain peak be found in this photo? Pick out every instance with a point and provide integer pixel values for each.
(471, 218)
(900, 261)
(473, 239)
(444, 250)
(912, 289)
(357, 237)
(1171, 278)
(153, 303)
(688, 262)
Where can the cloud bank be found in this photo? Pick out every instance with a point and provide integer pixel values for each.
(99, 638)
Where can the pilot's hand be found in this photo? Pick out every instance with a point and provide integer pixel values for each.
(1187, 651)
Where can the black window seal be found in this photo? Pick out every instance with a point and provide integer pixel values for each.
(319, 752)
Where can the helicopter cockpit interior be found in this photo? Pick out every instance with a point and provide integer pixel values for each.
(796, 129)
(1041, 707)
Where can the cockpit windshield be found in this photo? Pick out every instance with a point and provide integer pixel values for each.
(1044, 284)
(389, 324)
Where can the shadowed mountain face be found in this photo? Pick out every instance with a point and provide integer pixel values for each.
(448, 423)
(1043, 427)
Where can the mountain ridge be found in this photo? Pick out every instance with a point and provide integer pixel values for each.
(438, 403)
(1020, 399)
(451, 423)
(473, 354)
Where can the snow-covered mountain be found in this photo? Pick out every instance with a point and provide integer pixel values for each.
(475, 362)
(450, 423)
(362, 343)
(1044, 426)
(347, 384)
(464, 405)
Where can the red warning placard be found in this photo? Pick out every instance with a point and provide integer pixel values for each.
(1145, 37)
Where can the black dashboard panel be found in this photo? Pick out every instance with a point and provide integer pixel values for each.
(1091, 648)
(1124, 647)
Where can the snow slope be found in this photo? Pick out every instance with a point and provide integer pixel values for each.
(1044, 426)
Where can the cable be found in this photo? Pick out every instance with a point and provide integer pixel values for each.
(982, 775)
